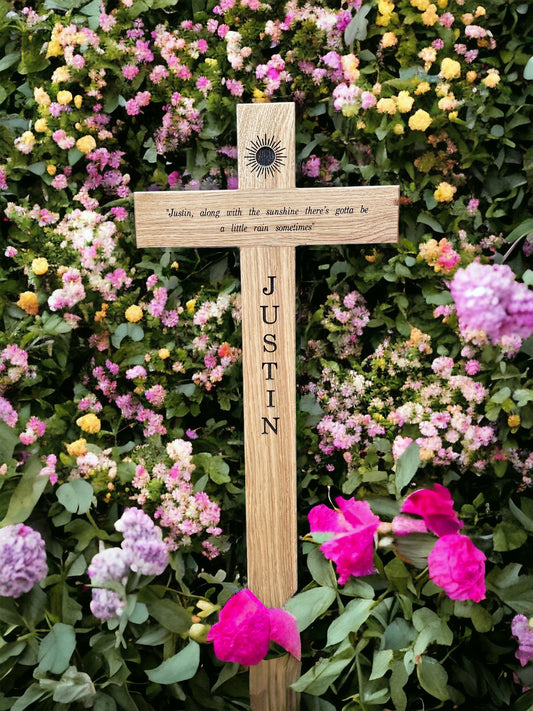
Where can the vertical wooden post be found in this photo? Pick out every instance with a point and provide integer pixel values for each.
(266, 161)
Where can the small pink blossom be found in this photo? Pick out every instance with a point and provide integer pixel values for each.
(246, 627)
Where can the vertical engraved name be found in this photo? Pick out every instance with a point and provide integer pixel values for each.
(269, 365)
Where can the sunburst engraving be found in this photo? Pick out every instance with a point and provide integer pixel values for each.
(265, 156)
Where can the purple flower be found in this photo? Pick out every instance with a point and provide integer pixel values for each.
(352, 546)
(246, 627)
(458, 567)
(522, 630)
(106, 604)
(22, 559)
(145, 550)
(110, 564)
(488, 299)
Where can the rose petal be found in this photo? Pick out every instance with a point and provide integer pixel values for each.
(284, 631)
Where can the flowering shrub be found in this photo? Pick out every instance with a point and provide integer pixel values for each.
(121, 479)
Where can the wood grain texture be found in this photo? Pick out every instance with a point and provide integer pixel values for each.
(240, 218)
(269, 381)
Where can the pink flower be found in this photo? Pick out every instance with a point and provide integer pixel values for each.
(353, 526)
(435, 507)
(521, 629)
(458, 567)
(246, 627)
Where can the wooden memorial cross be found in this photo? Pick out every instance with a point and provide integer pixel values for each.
(267, 217)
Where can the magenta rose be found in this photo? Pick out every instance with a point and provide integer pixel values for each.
(435, 506)
(246, 627)
(354, 527)
(458, 567)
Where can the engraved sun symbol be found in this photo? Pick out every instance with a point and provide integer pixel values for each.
(265, 156)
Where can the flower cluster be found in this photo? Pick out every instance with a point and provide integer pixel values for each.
(489, 300)
(142, 551)
(22, 559)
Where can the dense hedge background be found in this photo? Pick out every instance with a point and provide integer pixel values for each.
(119, 368)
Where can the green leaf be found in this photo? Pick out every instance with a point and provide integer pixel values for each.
(528, 70)
(321, 569)
(310, 604)
(74, 686)
(180, 667)
(433, 678)
(358, 26)
(76, 496)
(326, 671)
(513, 589)
(355, 614)
(170, 615)
(57, 648)
(508, 537)
(8, 60)
(132, 330)
(214, 465)
(430, 221)
(8, 441)
(32, 694)
(27, 493)
(407, 466)
(430, 628)
(524, 514)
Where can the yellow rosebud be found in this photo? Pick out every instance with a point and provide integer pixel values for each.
(467, 18)
(99, 316)
(453, 115)
(450, 68)
(133, 313)
(41, 97)
(260, 97)
(64, 97)
(77, 448)
(39, 266)
(444, 192)
(420, 4)
(211, 61)
(404, 101)
(163, 353)
(447, 103)
(398, 129)
(175, 265)
(471, 76)
(28, 303)
(426, 454)
(89, 423)
(430, 17)
(492, 78)
(198, 632)
(480, 11)
(41, 125)
(55, 48)
(190, 306)
(376, 89)
(139, 389)
(386, 106)
(86, 144)
(78, 101)
(513, 421)
(442, 4)
(51, 169)
(420, 120)
(361, 125)
(389, 39)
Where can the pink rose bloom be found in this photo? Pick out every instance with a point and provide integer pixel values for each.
(435, 506)
(458, 567)
(246, 627)
(352, 546)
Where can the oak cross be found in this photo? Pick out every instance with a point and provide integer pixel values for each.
(267, 217)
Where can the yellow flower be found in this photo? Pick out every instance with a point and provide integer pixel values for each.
(86, 144)
(404, 101)
(41, 97)
(99, 316)
(77, 448)
(51, 169)
(39, 266)
(211, 61)
(89, 423)
(361, 125)
(61, 74)
(444, 192)
(467, 18)
(480, 11)
(513, 421)
(389, 39)
(133, 313)
(78, 101)
(442, 4)
(420, 4)
(350, 65)
(175, 265)
(492, 78)
(398, 129)
(55, 48)
(422, 87)
(420, 120)
(260, 97)
(386, 106)
(471, 76)
(450, 68)
(28, 303)
(41, 125)
(447, 103)
(64, 97)
(376, 89)
(430, 17)
(453, 115)
(163, 353)
(190, 306)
